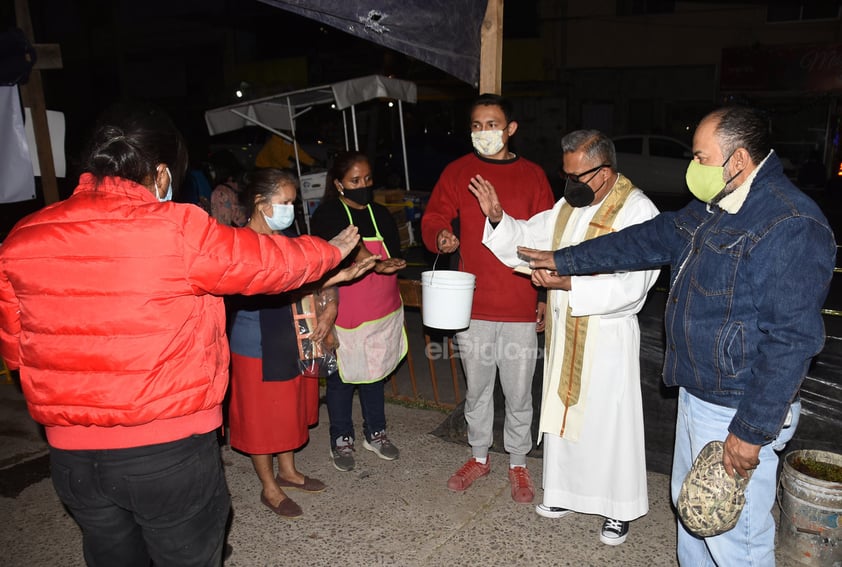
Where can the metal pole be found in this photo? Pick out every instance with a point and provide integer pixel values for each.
(297, 167)
(345, 126)
(294, 141)
(354, 124)
(403, 144)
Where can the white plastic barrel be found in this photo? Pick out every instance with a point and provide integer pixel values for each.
(446, 299)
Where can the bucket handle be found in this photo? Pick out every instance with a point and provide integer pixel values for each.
(460, 263)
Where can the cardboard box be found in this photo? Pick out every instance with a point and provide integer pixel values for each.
(313, 185)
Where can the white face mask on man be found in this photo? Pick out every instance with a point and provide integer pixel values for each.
(487, 142)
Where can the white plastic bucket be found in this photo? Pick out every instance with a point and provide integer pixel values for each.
(446, 299)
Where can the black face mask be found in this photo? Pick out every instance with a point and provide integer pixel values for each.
(361, 196)
(578, 194)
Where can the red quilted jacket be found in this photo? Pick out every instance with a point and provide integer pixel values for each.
(110, 305)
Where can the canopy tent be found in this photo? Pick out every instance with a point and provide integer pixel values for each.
(278, 113)
(443, 33)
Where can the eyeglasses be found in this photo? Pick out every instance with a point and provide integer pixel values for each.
(576, 177)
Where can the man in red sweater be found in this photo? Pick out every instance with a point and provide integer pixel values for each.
(502, 332)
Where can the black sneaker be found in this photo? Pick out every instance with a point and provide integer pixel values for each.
(343, 454)
(614, 532)
(551, 511)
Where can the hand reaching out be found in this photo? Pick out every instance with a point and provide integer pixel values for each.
(390, 266)
(352, 272)
(346, 240)
(550, 279)
(537, 258)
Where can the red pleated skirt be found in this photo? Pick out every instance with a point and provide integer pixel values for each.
(269, 417)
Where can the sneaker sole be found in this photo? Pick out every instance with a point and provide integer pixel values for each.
(613, 540)
(552, 515)
(371, 448)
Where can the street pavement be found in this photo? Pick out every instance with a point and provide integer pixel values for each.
(397, 513)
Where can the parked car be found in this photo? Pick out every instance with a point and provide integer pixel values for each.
(656, 164)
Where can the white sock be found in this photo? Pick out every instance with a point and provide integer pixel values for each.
(515, 466)
(482, 460)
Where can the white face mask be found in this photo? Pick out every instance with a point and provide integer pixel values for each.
(168, 196)
(487, 142)
(282, 217)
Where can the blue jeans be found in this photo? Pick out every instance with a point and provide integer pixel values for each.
(339, 397)
(752, 541)
(165, 503)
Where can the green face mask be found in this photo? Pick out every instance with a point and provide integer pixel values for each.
(706, 181)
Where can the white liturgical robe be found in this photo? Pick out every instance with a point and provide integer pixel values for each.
(598, 466)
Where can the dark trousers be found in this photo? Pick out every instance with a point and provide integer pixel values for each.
(339, 397)
(166, 504)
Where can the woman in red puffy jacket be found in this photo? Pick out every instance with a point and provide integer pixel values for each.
(111, 307)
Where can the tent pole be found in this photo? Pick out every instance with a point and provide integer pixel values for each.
(354, 124)
(403, 144)
(297, 167)
(345, 126)
(294, 139)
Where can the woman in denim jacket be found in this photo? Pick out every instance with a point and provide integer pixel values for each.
(751, 262)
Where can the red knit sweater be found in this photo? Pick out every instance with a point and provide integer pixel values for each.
(523, 189)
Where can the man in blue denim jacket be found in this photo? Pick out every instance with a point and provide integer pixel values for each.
(751, 266)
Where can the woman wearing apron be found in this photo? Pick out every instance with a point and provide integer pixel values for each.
(372, 340)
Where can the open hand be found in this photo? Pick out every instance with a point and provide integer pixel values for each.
(537, 258)
(346, 240)
(487, 198)
(550, 279)
(390, 266)
(352, 272)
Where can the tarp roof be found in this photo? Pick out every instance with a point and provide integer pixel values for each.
(444, 33)
(277, 111)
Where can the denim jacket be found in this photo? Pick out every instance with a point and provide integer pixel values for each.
(743, 317)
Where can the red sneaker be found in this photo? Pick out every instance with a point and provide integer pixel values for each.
(467, 474)
(522, 489)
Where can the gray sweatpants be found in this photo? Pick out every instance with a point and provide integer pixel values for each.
(512, 347)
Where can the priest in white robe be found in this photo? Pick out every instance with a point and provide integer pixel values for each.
(591, 412)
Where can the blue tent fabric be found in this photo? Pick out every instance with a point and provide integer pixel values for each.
(443, 33)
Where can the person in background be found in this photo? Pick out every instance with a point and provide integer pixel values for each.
(196, 187)
(226, 202)
(591, 411)
(502, 333)
(111, 308)
(369, 325)
(752, 258)
(272, 404)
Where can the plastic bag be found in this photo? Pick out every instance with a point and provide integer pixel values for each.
(316, 359)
